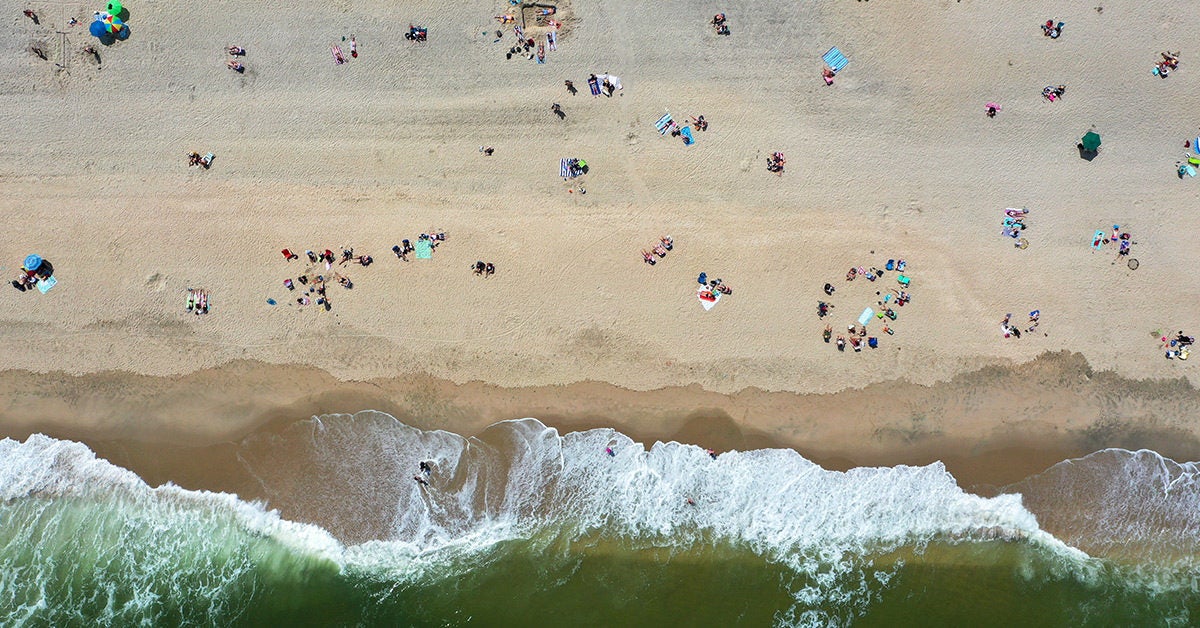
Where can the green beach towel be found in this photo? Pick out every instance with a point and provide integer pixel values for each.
(424, 249)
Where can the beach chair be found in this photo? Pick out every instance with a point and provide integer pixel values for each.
(664, 124)
(835, 60)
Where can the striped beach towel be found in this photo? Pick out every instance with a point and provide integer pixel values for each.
(564, 168)
(664, 124)
(835, 59)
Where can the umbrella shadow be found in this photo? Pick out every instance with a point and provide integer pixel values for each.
(1086, 154)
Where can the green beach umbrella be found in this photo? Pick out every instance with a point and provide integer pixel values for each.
(114, 7)
(1091, 141)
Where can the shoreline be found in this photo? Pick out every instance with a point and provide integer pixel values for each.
(990, 427)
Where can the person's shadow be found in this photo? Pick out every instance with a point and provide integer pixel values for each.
(571, 89)
(562, 115)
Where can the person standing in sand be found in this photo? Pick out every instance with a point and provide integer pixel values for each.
(31, 15)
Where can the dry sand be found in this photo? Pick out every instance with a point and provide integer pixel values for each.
(895, 160)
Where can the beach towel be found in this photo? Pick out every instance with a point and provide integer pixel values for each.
(44, 285)
(903, 280)
(564, 169)
(1196, 144)
(688, 140)
(866, 317)
(594, 86)
(664, 124)
(708, 298)
(1098, 239)
(835, 59)
(424, 249)
(552, 40)
(338, 59)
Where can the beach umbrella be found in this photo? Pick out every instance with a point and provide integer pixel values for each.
(1091, 141)
(114, 7)
(32, 262)
(98, 29)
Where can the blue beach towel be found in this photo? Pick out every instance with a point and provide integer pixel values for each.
(688, 140)
(424, 249)
(835, 59)
(44, 285)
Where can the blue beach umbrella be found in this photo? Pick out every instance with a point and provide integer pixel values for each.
(32, 262)
(98, 29)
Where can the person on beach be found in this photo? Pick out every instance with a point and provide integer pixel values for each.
(489, 270)
(557, 109)
(31, 15)
(194, 159)
(827, 334)
(353, 47)
(667, 242)
(236, 51)
(236, 66)
(478, 267)
(41, 54)
(420, 480)
(570, 87)
(841, 343)
(487, 150)
(425, 468)
(92, 51)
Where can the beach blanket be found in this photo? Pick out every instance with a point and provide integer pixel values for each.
(664, 124)
(44, 285)
(835, 59)
(338, 59)
(866, 317)
(424, 249)
(708, 298)
(552, 40)
(594, 86)
(564, 169)
(613, 80)
(688, 140)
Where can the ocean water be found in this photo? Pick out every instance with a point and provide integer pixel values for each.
(525, 526)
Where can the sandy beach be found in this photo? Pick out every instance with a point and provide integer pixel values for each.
(895, 160)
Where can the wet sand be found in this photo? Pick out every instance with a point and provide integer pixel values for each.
(991, 427)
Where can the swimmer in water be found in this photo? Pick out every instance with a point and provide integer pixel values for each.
(609, 451)
(711, 453)
(425, 468)
(691, 502)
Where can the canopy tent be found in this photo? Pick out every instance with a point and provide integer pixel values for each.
(1091, 141)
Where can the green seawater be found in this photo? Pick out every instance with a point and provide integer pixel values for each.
(77, 562)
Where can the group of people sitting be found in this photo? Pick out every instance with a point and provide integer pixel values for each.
(858, 337)
(194, 159)
(718, 22)
(416, 33)
(484, 270)
(664, 245)
(1169, 62)
(1178, 347)
(1013, 331)
(776, 162)
(236, 64)
(1053, 93)
(1052, 30)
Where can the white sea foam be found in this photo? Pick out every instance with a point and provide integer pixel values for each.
(517, 480)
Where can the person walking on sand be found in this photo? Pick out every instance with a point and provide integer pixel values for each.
(31, 15)
(570, 87)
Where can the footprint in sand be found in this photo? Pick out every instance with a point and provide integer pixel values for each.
(156, 282)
